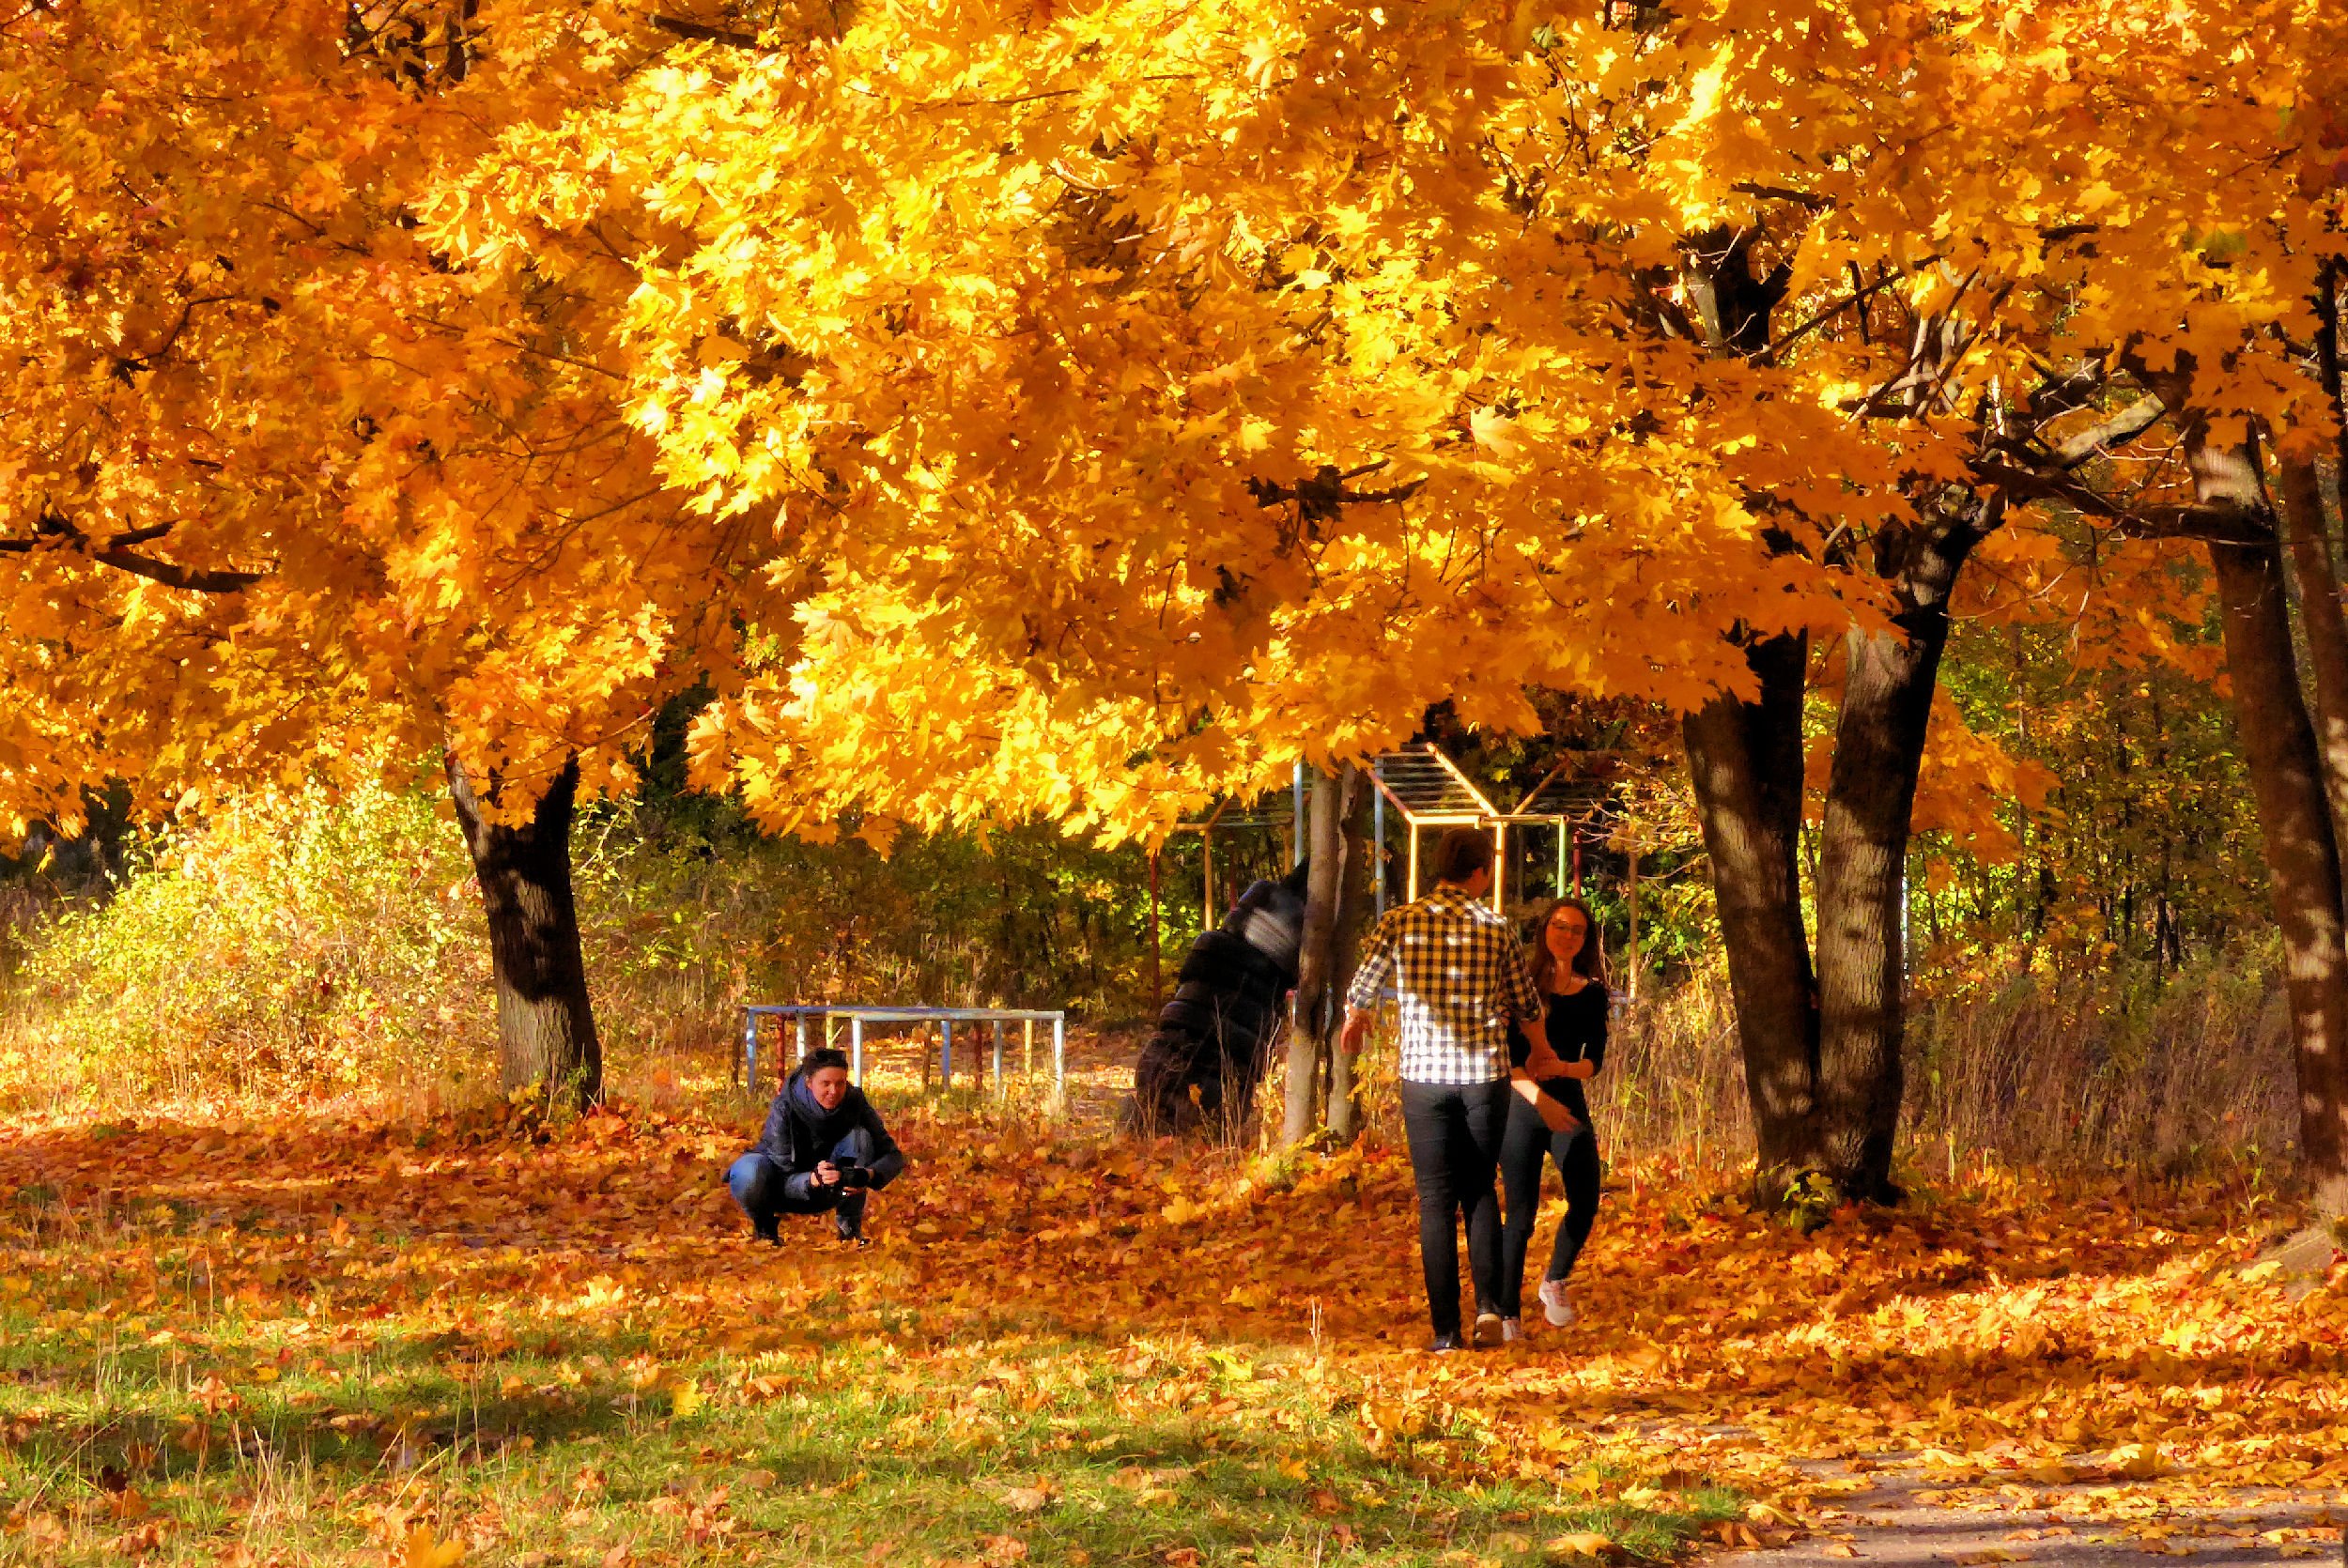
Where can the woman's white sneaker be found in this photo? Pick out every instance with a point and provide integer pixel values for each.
(1511, 1330)
(1554, 1303)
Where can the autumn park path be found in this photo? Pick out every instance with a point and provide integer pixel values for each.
(556, 1343)
(1904, 1521)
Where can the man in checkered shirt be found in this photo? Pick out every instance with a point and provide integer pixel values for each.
(1461, 973)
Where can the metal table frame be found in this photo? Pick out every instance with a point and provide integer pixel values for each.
(946, 1017)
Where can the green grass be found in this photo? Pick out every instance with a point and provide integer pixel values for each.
(308, 1446)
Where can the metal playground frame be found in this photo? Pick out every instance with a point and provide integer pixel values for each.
(858, 1016)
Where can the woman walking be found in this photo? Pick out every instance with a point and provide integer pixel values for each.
(1570, 972)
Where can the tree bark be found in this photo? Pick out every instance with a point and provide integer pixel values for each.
(1325, 960)
(1745, 761)
(1353, 918)
(2327, 627)
(1871, 793)
(2302, 855)
(546, 1029)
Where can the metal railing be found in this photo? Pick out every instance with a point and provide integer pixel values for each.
(945, 1018)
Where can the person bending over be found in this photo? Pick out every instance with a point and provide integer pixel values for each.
(822, 1151)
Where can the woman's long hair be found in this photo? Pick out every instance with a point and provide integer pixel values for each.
(1590, 962)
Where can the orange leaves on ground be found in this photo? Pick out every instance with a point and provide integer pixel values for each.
(2028, 1335)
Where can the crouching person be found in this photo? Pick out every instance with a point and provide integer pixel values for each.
(823, 1149)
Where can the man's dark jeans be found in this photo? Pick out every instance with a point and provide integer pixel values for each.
(758, 1185)
(1455, 1131)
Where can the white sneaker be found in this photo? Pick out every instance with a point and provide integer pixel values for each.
(1554, 1303)
(1510, 1330)
(1488, 1329)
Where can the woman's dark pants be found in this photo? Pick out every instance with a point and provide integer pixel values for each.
(757, 1182)
(1524, 1148)
(1455, 1131)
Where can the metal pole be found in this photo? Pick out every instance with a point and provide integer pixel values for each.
(946, 1053)
(1377, 836)
(998, 1058)
(1564, 833)
(1157, 974)
(1206, 863)
(1634, 901)
(855, 1048)
(798, 1034)
(1059, 1056)
(1410, 895)
(749, 1047)
(1027, 1057)
(1500, 867)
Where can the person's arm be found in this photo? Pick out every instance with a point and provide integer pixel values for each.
(1591, 1055)
(888, 1159)
(1360, 997)
(1523, 999)
(774, 1140)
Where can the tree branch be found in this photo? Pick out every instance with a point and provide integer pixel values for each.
(54, 532)
(702, 32)
(2216, 522)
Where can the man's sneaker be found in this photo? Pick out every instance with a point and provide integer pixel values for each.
(1443, 1344)
(1488, 1329)
(766, 1230)
(1554, 1303)
(1510, 1330)
(850, 1226)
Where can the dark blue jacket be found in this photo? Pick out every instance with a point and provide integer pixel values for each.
(801, 1135)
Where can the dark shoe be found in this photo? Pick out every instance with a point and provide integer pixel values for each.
(849, 1226)
(1443, 1344)
(766, 1230)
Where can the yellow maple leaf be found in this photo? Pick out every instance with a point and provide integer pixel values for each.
(424, 1552)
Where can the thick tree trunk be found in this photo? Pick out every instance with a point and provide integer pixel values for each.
(1745, 761)
(1325, 960)
(1870, 792)
(2302, 855)
(2327, 627)
(546, 1029)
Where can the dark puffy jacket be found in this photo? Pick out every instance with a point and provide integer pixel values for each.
(800, 1134)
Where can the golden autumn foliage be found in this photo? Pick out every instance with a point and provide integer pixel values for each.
(970, 394)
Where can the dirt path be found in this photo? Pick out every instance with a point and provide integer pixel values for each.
(1903, 1519)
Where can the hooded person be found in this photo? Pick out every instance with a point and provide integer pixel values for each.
(822, 1150)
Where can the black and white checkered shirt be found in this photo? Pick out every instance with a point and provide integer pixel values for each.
(1460, 972)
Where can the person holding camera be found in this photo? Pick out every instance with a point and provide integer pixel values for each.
(823, 1152)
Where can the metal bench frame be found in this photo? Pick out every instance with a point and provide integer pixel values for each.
(946, 1017)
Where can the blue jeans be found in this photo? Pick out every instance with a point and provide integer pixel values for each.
(757, 1180)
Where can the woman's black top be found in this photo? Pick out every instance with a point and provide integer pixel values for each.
(1577, 1033)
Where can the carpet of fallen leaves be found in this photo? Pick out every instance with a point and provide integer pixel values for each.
(2006, 1334)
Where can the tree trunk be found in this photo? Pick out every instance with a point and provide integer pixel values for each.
(1354, 916)
(1325, 960)
(2302, 855)
(1870, 792)
(1745, 761)
(2327, 627)
(546, 1029)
